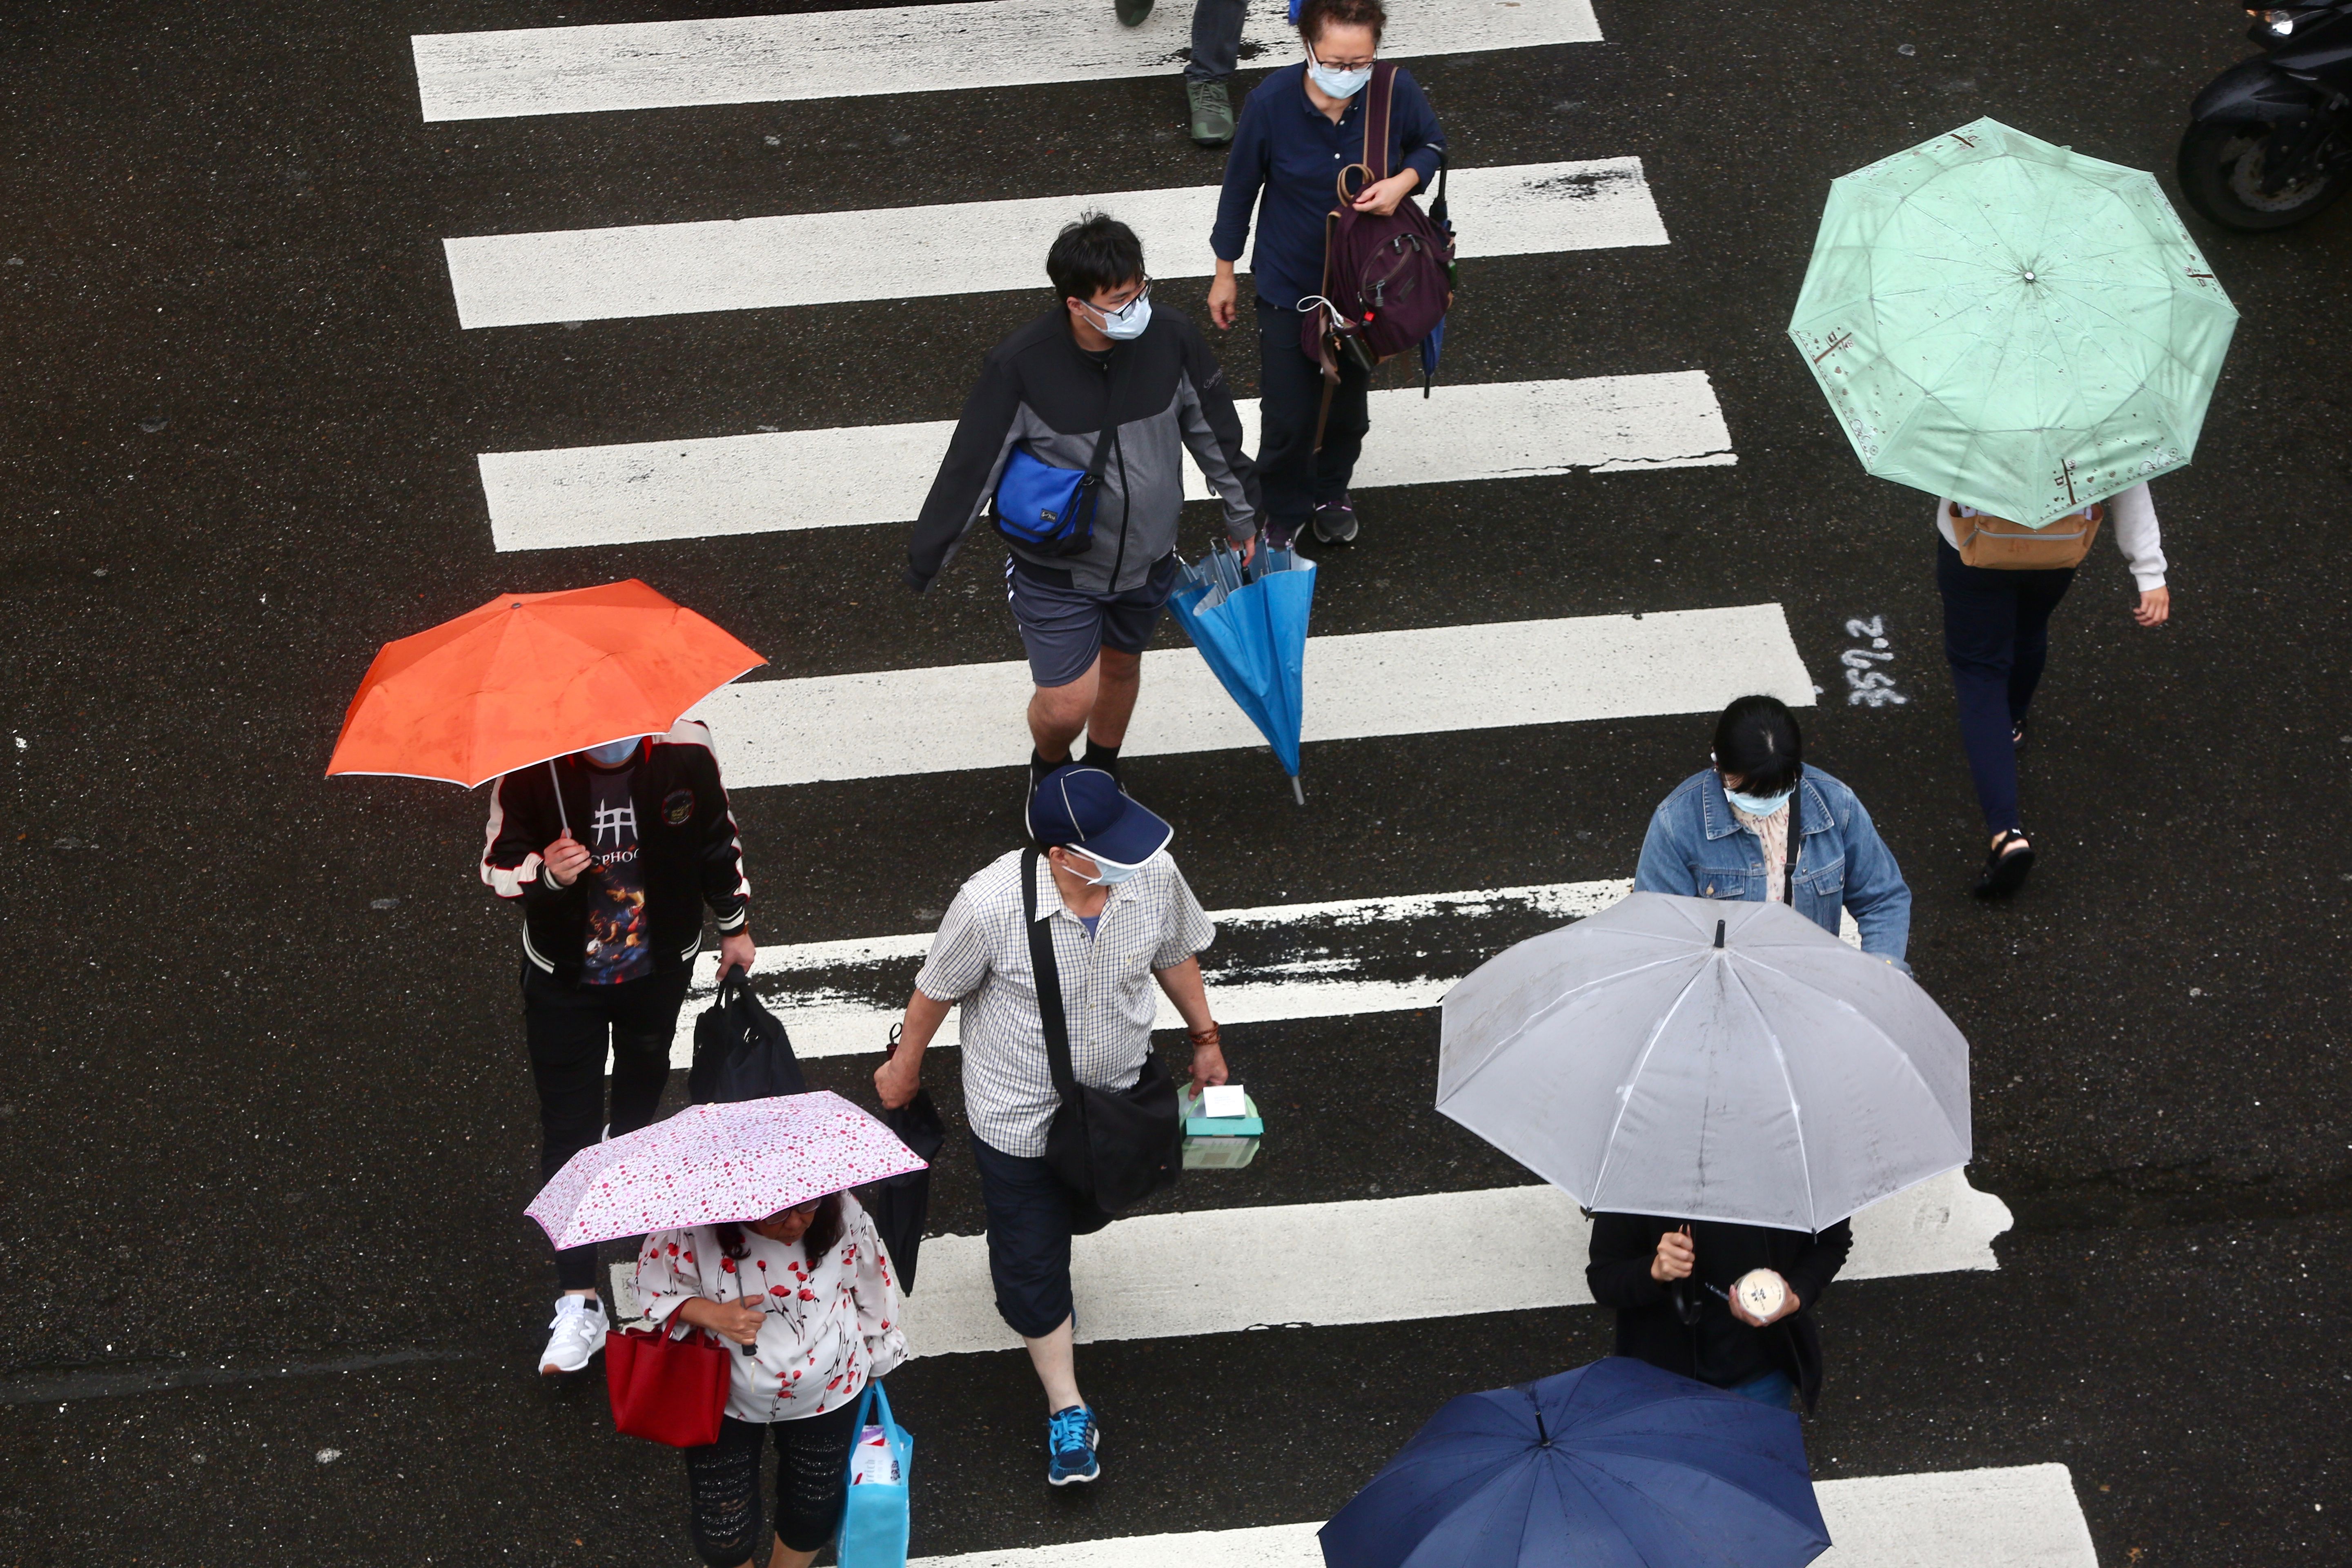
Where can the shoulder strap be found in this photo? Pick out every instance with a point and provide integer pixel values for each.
(1108, 437)
(1376, 120)
(1048, 979)
(1796, 842)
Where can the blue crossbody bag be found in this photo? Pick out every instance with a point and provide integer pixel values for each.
(1050, 510)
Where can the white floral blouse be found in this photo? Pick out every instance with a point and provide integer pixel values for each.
(829, 1329)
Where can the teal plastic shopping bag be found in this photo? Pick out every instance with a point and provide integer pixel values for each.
(881, 1462)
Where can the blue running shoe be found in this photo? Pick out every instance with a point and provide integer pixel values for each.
(1070, 1438)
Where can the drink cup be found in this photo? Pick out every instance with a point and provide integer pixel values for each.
(1761, 1291)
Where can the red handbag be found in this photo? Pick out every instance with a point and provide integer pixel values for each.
(666, 1390)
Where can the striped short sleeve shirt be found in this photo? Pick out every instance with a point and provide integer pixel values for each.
(980, 959)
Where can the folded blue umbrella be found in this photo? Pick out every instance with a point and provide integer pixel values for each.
(1250, 624)
(1614, 1464)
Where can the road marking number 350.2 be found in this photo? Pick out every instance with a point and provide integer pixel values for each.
(1865, 680)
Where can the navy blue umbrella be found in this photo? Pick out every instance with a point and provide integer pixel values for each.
(1615, 1465)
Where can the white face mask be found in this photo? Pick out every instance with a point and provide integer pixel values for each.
(1336, 83)
(612, 754)
(1128, 321)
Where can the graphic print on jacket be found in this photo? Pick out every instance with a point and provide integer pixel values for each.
(617, 907)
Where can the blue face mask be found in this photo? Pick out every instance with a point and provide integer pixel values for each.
(612, 754)
(1337, 83)
(1108, 873)
(1757, 804)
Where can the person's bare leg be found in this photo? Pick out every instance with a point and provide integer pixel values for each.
(1119, 679)
(1055, 1358)
(784, 1556)
(1056, 714)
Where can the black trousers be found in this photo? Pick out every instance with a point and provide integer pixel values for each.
(1997, 640)
(811, 1484)
(1293, 475)
(569, 1029)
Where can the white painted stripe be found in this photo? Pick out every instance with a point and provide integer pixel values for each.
(1503, 1250)
(914, 48)
(1438, 678)
(970, 247)
(2020, 1516)
(856, 475)
(825, 1021)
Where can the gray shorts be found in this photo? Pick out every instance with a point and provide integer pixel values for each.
(1064, 629)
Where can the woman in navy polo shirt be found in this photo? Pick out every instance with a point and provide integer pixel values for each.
(1300, 129)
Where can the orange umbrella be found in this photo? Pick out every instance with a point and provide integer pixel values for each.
(531, 677)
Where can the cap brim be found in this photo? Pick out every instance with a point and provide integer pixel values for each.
(1136, 836)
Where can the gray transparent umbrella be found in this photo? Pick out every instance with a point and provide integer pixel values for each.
(1707, 1060)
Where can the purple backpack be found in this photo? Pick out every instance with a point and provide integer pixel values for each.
(1387, 282)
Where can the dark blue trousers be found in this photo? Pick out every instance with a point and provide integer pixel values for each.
(1216, 38)
(1997, 639)
(1032, 1215)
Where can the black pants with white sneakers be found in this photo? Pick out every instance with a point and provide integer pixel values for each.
(569, 1029)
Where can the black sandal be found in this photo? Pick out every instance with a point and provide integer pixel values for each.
(2005, 867)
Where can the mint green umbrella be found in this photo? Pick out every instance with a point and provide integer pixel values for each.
(2011, 324)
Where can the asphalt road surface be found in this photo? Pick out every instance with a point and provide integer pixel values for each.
(266, 1124)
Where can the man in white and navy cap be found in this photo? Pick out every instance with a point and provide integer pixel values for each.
(1119, 916)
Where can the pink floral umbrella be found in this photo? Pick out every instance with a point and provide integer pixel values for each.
(712, 1163)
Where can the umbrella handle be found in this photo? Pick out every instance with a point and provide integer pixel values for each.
(557, 780)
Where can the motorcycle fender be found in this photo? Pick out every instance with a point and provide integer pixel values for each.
(2254, 92)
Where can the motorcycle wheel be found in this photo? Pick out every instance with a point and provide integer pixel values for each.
(2221, 175)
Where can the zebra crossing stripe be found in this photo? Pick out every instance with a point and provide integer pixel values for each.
(804, 984)
(1502, 1250)
(2012, 1516)
(967, 248)
(505, 73)
(954, 717)
(807, 985)
(862, 475)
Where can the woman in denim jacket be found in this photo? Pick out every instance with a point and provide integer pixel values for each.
(1724, 833)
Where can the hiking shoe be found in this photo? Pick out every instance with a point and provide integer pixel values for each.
(580, 1328)
(1131, 12)
(1211, 112)
(1070, 1438)
(2017, 735)
(1277, 533)
(2005, 867)
(1335, 522)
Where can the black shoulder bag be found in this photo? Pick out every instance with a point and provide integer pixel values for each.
(1114, 1146)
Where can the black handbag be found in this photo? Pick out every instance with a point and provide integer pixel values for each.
(1114, 1146)
(899, 1206)
(740, 1050)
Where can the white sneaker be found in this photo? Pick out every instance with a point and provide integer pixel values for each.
(580, 1328)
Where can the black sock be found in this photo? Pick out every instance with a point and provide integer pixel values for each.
(1039, 767)
(1101, 756)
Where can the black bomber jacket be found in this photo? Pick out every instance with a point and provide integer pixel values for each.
(686, 839)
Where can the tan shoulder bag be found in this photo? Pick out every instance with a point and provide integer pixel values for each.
(2006, 546)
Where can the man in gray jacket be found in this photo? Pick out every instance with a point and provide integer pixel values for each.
(1099, 362)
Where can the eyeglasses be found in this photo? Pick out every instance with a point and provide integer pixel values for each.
(804, 1209)
(1362, 65)
(1125, 312)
